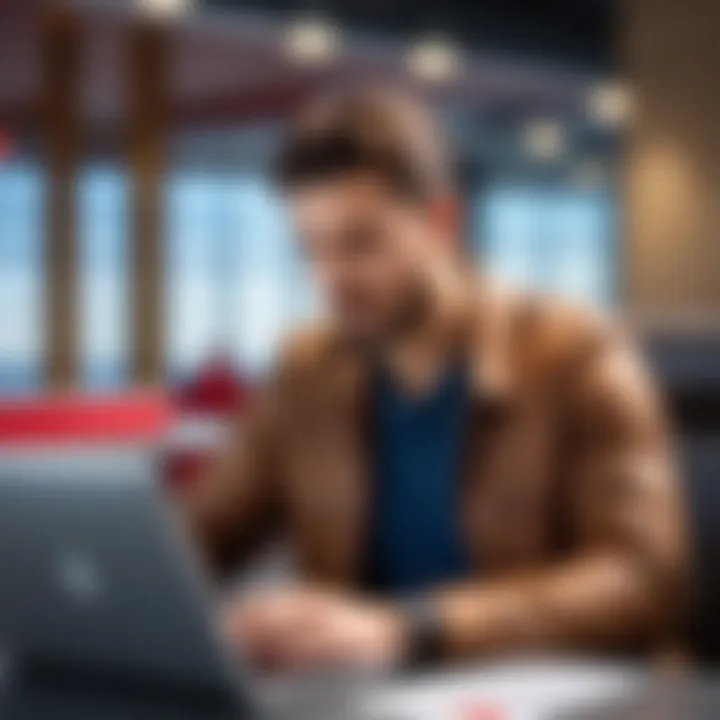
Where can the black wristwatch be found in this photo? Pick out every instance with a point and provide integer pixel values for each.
(426, 630)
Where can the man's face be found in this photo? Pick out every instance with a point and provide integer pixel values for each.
(369, 252)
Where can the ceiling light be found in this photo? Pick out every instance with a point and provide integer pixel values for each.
(164, 8)
(544, 139)
(434, 59)
(610, 104)
(312, 40)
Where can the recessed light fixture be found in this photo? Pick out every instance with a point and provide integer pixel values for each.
(164, 8)
(312, 40)
(435, 59)
(610, 104)
(544, 139)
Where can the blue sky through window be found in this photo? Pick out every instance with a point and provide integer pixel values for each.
(103, 294)
(559, 241)
(21, 278)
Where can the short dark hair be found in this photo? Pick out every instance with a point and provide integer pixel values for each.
(379, 130)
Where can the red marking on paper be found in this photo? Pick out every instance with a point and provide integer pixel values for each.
(482, 711)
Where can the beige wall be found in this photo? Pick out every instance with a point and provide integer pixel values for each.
(671, 51)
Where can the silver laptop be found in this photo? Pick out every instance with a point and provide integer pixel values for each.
(97, 579)
(98, 582)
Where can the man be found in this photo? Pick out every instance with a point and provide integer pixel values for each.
(460, 471)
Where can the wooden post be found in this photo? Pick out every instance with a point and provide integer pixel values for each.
(147, 134)
(62, 144)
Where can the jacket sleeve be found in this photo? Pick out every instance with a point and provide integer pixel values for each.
(235, 504)
(620, 586)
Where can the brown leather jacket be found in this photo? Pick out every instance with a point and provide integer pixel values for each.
(570, 506)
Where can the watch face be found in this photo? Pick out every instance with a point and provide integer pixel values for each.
(79, 578)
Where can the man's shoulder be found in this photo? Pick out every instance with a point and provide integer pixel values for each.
(548, 331)
(565, 325)
(307, 349)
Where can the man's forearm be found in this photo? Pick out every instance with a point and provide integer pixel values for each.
(591, 602)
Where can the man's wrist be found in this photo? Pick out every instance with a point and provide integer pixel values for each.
(424, 630)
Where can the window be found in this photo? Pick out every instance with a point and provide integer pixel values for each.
(267, 284)
(555, 241)
(191, 266)
(21, 278)
(233, 281)
(103, 297)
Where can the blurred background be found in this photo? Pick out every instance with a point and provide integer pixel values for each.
(182, 103)
(143, 245)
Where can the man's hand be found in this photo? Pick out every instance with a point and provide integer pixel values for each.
(309, 629)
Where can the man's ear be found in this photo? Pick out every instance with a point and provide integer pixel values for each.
(446, 217)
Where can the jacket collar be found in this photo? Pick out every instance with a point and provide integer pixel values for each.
(490, 330)
(483, 327)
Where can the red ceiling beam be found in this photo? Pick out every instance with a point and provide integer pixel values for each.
(261, 104)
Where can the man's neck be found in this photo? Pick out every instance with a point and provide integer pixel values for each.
(418, 359)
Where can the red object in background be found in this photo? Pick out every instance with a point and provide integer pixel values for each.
(217, 390)
(181, 469)
(206, 405)
(5, 146)
(84, 420)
